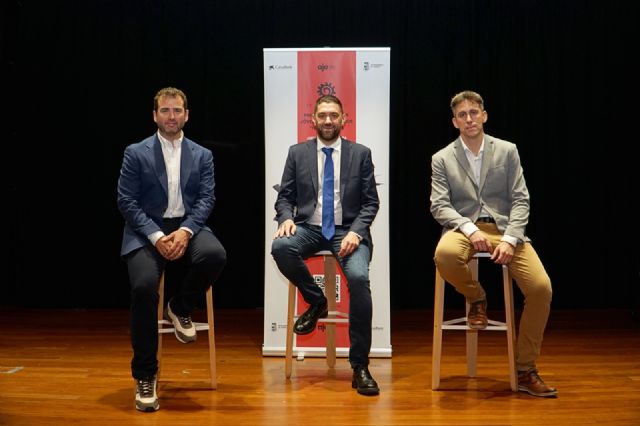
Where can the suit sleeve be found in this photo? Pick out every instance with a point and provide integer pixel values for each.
(369, 201)
(287, 195)
(441, 207)
(205, 198)
(129, 194)
(519, 214)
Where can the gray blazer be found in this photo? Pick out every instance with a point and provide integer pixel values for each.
(298, 194)
(457, 199)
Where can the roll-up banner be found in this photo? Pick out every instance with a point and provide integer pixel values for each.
(293, 80)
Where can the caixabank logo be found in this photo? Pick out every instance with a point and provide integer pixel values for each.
(279, 67)
(326, 88)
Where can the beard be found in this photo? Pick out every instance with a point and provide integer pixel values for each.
(328, 133)
(171, 132)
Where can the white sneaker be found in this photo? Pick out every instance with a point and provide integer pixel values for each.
(146, 395)
(185, 331)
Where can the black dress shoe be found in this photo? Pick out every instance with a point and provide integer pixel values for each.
(363, 382)
(307, 321)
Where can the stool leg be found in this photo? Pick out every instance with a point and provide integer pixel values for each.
(212, 340)
(330, 293)
(289, 344)
(437, 331)
(160, 317)
(511, 331)
(472, 335)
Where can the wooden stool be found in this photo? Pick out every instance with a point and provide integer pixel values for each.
(333, 316)
(472, 335)
(198, 325)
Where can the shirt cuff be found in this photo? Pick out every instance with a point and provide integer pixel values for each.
(188, 230)
(510, 239)
(155, 237)
(468, 228)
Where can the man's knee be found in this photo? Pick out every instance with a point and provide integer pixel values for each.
(144, 289)
(279, 248)
(539, 291)
(447, 259)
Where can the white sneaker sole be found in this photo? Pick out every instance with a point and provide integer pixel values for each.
(181, 333)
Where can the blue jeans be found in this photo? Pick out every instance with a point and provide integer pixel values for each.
(289, 254)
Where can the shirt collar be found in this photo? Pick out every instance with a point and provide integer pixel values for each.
(167, 143)
(468, 151)
(336, 145)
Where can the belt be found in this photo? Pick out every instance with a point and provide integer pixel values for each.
(485, 220)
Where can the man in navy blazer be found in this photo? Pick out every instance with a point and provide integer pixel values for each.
(352, 208)
(166, 194)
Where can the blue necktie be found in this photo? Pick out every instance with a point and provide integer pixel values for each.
(328, 221)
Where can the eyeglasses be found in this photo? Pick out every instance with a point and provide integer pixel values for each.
(473, 113)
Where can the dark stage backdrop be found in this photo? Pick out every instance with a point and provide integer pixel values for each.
(80, 77)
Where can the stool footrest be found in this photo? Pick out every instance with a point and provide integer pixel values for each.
(334, 320)
(461, 324)
(200, 326)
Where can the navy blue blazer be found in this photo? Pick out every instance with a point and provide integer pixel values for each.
(142, 189)
(298, 192)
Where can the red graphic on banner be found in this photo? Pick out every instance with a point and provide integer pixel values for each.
(326, 73)
(318, 337)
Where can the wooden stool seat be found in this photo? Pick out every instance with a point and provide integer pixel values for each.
(439, 325)
(165, 326)
(333, 316)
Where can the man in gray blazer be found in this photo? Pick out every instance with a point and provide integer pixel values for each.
(165, 194)
(479, 196)
(309, 222)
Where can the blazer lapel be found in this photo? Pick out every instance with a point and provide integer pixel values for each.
(158, 163)
(462, 160)
(312, 164)
(345, 165)
(487, 159)
(186, 163)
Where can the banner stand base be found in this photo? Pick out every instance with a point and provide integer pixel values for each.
(300, 354)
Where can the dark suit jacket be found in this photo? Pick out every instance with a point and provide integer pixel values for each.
(298, 194)
(142, 189)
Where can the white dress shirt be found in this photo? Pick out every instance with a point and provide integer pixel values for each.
(316, 219)
(171, 152)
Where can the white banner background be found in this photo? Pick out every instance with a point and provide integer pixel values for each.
(281, 131)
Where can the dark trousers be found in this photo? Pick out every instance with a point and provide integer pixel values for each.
(203, 262)
(289, 254)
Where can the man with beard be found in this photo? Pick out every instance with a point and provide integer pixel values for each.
(312, 219)
(165, 194)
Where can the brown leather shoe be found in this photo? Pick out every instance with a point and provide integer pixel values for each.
(477, 316)
(529, 381)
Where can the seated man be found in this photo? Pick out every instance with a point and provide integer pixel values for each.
(327, 201)
(165, 194)
(479, 196)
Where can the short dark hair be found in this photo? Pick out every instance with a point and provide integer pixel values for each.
(171, 92)
(466, 95)
(327, 99)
